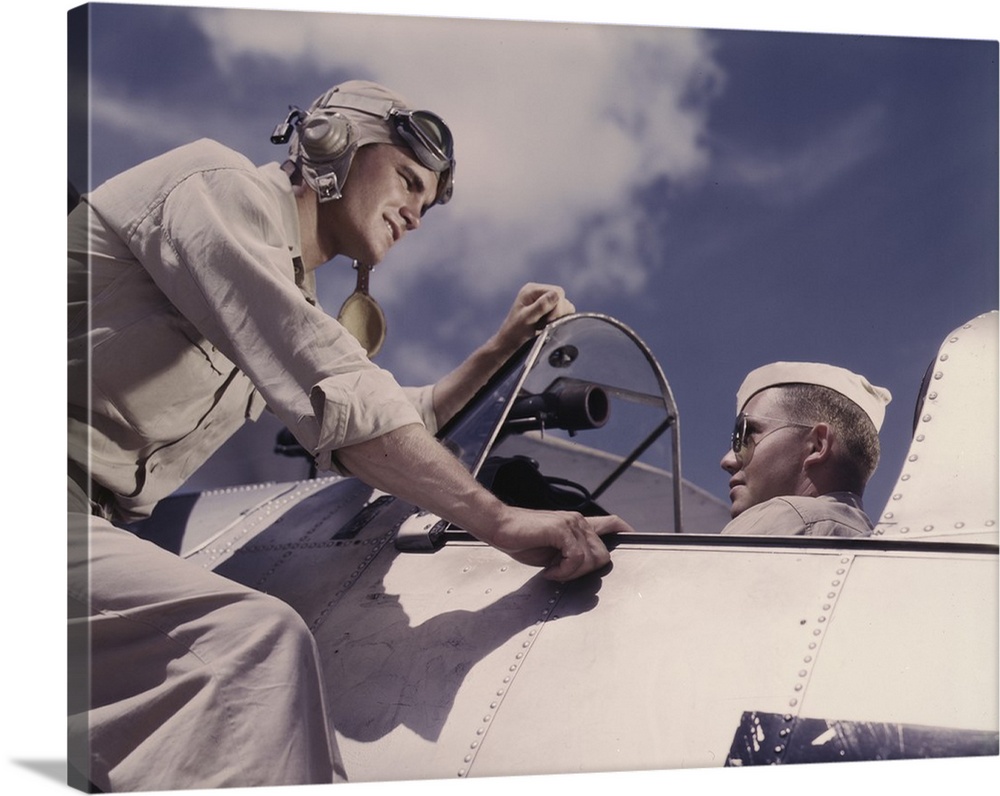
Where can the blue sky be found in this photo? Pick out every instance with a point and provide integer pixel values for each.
(736, 197)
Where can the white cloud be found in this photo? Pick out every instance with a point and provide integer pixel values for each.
(553, 122)
(144, 119)
(797, 174)
(416, 362)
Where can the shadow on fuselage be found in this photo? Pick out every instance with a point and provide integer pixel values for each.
(359, 595)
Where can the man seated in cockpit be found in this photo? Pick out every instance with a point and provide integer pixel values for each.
(803, 448)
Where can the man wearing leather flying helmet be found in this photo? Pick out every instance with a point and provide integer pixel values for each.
(325, 138)
(347, 121)
(192, 308)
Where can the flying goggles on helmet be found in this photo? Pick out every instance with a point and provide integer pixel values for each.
(328, 134)
(430, 139)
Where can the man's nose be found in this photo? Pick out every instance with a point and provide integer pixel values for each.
(729, 462)
(410, 217)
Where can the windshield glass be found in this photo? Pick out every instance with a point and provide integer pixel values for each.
(590, 406)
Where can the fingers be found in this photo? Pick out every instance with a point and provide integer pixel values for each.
(584, 552)
(577, 562)
(549, 306)
(536, 306)
(610, 524)
(565, 544)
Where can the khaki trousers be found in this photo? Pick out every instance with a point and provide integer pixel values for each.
(180, 678)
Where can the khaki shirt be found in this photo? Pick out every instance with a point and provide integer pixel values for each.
(836, 514)
(188, 303)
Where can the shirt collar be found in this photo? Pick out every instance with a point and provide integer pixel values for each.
(278, 178)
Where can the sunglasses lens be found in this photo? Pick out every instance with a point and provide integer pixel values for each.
(739, 433)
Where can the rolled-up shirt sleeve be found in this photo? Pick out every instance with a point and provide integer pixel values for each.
(422, 399)
(216, 247)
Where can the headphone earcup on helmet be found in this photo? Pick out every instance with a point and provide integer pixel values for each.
(325, 135)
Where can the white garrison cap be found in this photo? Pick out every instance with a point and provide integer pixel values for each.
(857, 388)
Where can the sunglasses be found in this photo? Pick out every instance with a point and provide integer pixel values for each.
(431, 141)
(742, 433)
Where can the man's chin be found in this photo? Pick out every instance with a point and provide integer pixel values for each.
(737, 508)
(375, 255)
(368, 252)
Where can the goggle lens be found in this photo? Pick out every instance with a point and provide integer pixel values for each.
(431, 141)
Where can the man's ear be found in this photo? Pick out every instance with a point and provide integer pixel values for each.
(820, 442)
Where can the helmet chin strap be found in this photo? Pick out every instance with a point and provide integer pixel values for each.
(362, 316)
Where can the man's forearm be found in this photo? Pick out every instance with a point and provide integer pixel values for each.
(456, 389)
(410, 464)
(534, 305)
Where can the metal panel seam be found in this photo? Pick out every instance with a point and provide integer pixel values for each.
(532, 635)
(814, 647)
